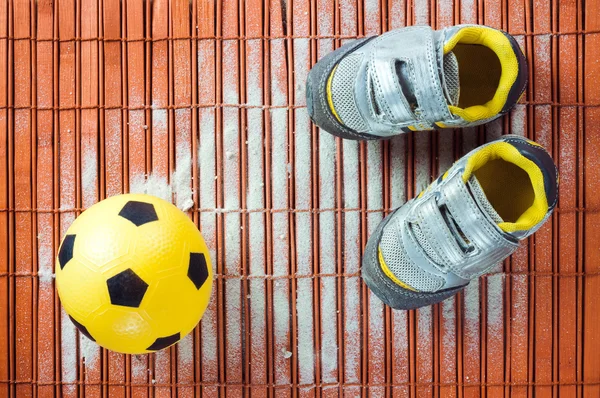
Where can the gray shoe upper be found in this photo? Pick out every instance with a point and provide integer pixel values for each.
(445, 238)
(386, 102)
(450, 234)
(396, 82)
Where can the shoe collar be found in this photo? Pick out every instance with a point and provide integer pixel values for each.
(501, 45)
(531, 218)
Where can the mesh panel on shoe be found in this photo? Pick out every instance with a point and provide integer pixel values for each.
(483, 201)
(451, 78)
(342, 92)
(401, 266)
(420, 236)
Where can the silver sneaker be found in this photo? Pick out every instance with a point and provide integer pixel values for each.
(414, 79)
(462, 225)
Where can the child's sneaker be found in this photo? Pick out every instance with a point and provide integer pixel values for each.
(416, 79)
(462, 225)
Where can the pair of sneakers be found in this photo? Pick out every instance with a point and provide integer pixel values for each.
(475, 214)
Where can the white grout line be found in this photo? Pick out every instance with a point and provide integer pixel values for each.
(185, 362)
(304, 226)
(68, 333)
(207, 197)
(89, 350)
(421, 12)
(280, 221)
(231, 194)
(69, 360)
(376, 342)
(352, 250)
(181, 181)
(256, 221)
(327, 227)
(468, 11)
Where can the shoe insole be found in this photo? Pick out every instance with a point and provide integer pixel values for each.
(479, 71)
(507, 187)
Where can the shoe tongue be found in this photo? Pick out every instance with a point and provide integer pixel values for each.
(450, 79)
(482, 200)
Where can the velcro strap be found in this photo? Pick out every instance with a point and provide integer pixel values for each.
(392, 103)
(490, 245)
(416, 48)
(436, 231)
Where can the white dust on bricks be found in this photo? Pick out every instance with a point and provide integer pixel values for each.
(280, 174)
(352, 293)
(45, 254)
(179, 190)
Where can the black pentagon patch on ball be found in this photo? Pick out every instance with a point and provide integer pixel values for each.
(163, 342)
(82, 329)
(197, 271)
(126, 289)
(66, 250)
(138, 213)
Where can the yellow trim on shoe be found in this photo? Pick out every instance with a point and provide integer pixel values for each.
(500, 44)
(390, 274)
(534, 144)
(329, 97)
(503, 150)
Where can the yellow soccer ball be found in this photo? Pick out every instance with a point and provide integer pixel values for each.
(134, 274)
